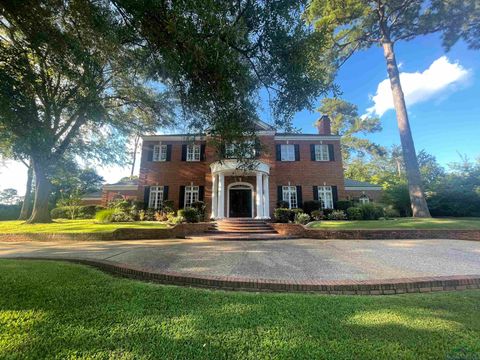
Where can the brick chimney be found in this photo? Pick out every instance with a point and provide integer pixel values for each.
(323, 125)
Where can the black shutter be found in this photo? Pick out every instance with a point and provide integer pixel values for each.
(312, 152)
(146, 196)
(297, 152)
(279, 152)
(258, 148)
(315, 193)
(201, 193)
(334, 195)
(202, 152)
(279, 193)
(184, 152)
(165, 192)
(331, 154)
(150, 153)
(299, 196)
(181, 198)
(169, 152)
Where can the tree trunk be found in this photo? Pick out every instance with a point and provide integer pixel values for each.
(40, 213)
(27, 199)
(417, 197)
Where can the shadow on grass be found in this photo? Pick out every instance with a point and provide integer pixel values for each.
(52, 309)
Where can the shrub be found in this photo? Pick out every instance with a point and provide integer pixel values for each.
(10, 212)
(105, 216)
(282, 215)
(302, 218)
(337, 215)
(343, 205)
(312, 205)
(391, 213)
(160, 216)
(371, 211)
(294, 212)
(282, 204)
(120, 216)
(189, 214)
(317, 215)
(327, 212)
(59, 213)
(146, 215)
(78, 212)
(398, 198)
(175, 219)
(200, 206)
(354, 213)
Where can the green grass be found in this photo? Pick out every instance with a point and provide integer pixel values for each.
(52, 309)
(74, 226)
(401, 223)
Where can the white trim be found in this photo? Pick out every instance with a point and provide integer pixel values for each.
(247, 185)
(120, 187)
(231, 165)
(363, 188)
(307, 137)
(173, 138)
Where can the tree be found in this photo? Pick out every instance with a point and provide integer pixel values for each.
(27, 198)
(67, 82)
(346, 122)
(72, 72)
(9, 197)
(358, 24)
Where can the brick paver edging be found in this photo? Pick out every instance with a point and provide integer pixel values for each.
(372, 234)
(332, 287)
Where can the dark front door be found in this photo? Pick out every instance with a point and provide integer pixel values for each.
(240, 203)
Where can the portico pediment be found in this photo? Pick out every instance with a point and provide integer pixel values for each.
(232, 166)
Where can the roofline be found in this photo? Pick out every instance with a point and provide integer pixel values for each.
(120, 187)
(174, 137)
(363, 188)
(306, 137)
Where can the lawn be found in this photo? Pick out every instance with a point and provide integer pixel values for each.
(400, 223)
(74, 226)
(61, 310)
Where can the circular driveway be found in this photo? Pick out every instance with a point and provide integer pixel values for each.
(292, 260)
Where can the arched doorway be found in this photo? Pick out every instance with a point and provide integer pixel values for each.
(240, 200)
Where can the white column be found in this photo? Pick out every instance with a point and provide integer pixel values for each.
(266, 198)
(259, 197)
(221, 197)
(214, 196)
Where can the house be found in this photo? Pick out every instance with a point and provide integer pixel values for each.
(288, 167)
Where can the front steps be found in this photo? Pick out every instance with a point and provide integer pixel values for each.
(241, 229)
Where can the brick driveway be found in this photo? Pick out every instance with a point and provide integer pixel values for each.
(301, 259)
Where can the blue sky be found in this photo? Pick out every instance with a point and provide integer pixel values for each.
(444, 125)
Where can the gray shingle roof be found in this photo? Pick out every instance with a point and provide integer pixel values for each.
(356, 183)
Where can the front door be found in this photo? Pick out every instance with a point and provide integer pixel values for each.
(240, 203)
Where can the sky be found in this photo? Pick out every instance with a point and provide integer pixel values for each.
(442, 91)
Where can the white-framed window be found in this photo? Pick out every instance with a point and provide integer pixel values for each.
(325, 194)
(287, 152)
(156, 197)
(321, 153)
(193, 152)
(289, 195)
(364, 199)
(191, 195)
(249, 149)
(160, 153)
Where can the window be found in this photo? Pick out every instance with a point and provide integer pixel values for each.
(156, 197)
(287, 152)
(160, 153)
(289, 195)
(248, 148)
(191, 195)
(321, 153)
(193, 153)
(325, 194)
(364, 199)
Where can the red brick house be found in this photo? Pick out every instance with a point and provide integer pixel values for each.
(290, 167)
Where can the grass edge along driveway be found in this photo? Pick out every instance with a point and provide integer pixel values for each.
(55, 309)
(399, 223)
(75, 226)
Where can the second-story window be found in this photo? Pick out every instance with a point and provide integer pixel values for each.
(321, 153)
(160, 153)
(246, 149)
(193, 153)
(287, 152)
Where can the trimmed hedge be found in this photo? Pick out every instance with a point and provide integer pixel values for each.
(191, 215)
(83, 212)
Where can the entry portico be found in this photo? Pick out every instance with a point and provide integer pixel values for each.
(240, 198)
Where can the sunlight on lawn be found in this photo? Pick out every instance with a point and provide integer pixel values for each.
(399, 223)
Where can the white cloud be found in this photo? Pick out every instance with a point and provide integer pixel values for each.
(420, 86)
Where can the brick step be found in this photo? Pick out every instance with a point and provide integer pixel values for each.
(244, 225)
(240, 228)
(263, 231)
(241, 220)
